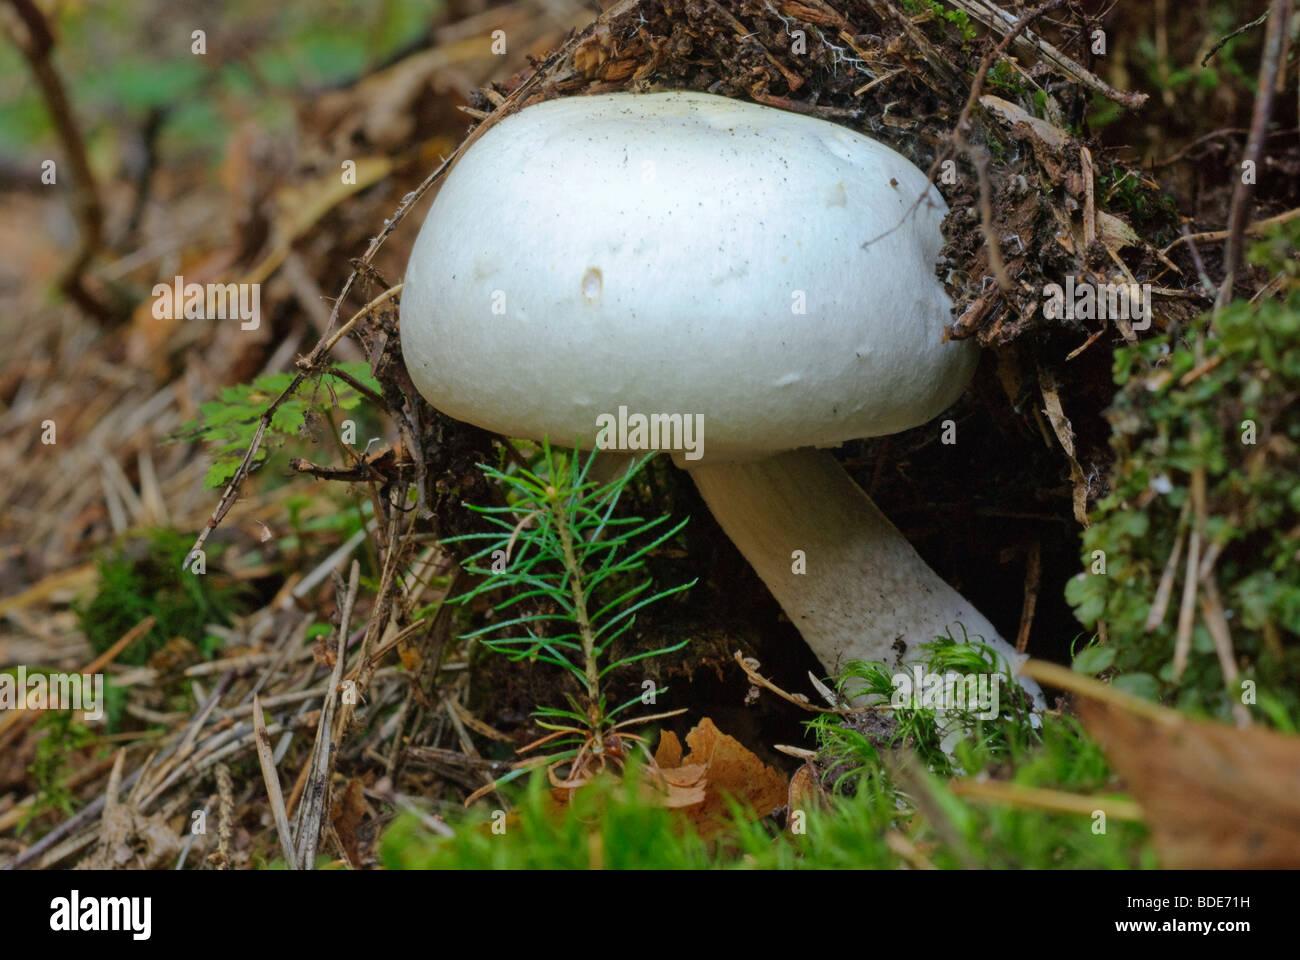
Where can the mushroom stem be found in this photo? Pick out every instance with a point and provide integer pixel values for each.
(865, 588)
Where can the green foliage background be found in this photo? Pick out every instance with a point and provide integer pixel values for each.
(1162, 430)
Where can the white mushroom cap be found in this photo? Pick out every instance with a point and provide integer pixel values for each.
(651, 251)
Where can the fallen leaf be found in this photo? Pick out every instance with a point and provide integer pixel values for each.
(806, 791)
(1065, 434)
(716, 766)
(1215, 797)
(1114, 232)
(346, 813)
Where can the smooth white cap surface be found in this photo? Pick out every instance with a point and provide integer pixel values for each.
(653, 251)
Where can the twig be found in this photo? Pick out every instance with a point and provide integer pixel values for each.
(1064, 678)
(1254, 230)
(1206, 282)
(1278, 15)
(86, 205)
(310, 361)
(997, 19)
(361, 388)
(312, 811)
(1038, 798)
(1160, 605)
(750, 666)
(225, 817)
(1219, 45)
(272, 778)
(1033, 570)
(1217, 623)
(231, 493)
(1187, 610)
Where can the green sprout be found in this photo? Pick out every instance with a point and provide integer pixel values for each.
(229, 423)
(567, 565)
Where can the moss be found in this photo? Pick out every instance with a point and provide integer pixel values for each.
(1147, 209)
(144, 577)
(50, 769)
(939, 12)
(610, 826)
(613, 825)
(1225, 401)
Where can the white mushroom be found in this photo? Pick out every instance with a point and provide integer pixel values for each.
(680, 253)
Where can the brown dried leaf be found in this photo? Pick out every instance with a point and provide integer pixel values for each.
(806, 791)
(1215, 797)
(669, 753)
(1114, 232)
(1047, 141)
(725, 768)
(1064, 431)
(346, 813)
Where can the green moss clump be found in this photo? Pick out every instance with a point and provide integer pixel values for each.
(144, 577)
(615, 825)
(1226, 401)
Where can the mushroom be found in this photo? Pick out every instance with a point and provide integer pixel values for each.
(764, 275)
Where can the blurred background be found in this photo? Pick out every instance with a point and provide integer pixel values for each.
(224, 165)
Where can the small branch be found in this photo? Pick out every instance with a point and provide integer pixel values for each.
(325, 346)
(1160, 605)
(86, 204)
(361, 388)
(1000, 20)
(1217, 623)
(225, 817)
(231, 493)
(263, 740)
(1187, 610)
(750, 666)
(1033, 574)
(1063, 678)
(1219, 45)
(1038, 798)
(1278, 15)
(312, 812)
(1258, 228)
(1206, 282)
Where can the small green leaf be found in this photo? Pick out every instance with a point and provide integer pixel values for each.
(1139, 685)
(1093, 660)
